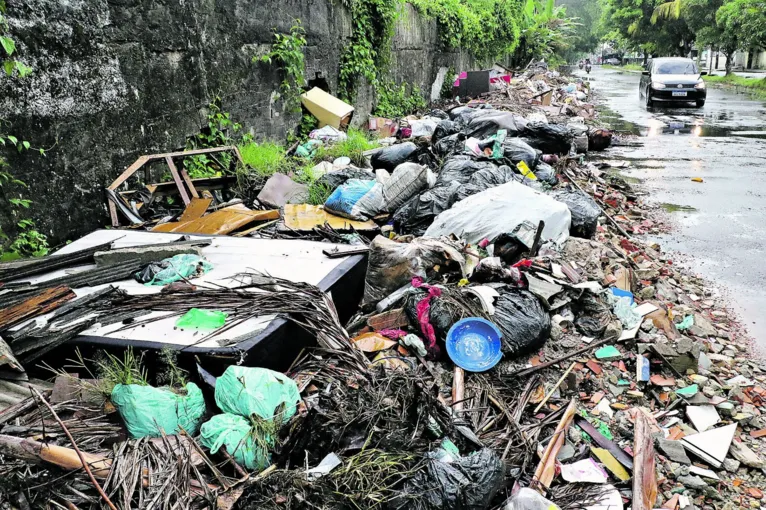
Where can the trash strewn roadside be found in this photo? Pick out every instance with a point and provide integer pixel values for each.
(516, 346)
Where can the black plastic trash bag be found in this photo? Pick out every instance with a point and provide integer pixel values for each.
(461, 168)
(148, 273)
(439, 114)
(585, 212)
(456, 112)
(491, 176)
(546, 173)
(515, 150)
(443, 129)
(465, 191)
(388, 158)
(483, 126)
(463, 114)
(524, 322)
(549, 138)
(509, 248)
(335, 178)
(449, 145)
(593, 316)
(470, 483)
(417, 214)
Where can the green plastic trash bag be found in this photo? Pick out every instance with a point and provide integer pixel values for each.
(179, 267)
(247, 391)
(201, 319)
(147, 410)
(240, 439)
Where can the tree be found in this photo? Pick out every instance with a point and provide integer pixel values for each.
(741, 24)
(585, 37)
(716, 23)
(546, 32)
(631, 21)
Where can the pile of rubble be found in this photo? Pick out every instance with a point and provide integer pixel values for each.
(517, 347)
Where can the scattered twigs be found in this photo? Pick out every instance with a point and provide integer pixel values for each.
(76, 449)
(541, 366)
(558, 383)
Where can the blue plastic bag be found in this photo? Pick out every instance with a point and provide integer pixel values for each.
(343, 201)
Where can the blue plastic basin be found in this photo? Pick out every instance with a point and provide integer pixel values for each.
(474, 344)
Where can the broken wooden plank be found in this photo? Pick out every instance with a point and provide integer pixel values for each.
(305, 217)
(223, 221)
(189, 183)
(644, 473)
(546, 469)
(67, 458)
(458, 389)
(42, 303)
(177, 179)
(196, 208)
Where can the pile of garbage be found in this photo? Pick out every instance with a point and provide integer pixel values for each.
(517, 347)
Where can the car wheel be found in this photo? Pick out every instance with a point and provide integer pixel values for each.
(700, 103)
(649, 102)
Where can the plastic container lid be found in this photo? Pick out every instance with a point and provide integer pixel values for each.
(474, 344)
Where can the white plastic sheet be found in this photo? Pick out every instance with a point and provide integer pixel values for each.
(501, 209)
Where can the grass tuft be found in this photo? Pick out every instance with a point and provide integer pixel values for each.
(353, 147)
(265, 159)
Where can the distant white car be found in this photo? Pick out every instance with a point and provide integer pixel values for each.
(613, 61)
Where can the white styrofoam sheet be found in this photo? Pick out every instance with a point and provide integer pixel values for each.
(295, 260)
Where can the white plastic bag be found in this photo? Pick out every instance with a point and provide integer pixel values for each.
(529, 499)
(501, 209)
(423, 127)
(407, 180)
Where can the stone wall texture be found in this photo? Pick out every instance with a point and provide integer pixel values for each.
(115, 79)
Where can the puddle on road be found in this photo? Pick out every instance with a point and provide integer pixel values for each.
(664, 123)
(671, 208)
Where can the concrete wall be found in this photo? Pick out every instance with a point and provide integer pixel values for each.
(114, 79)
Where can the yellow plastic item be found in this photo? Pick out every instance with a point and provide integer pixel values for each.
(328, 109)
(525, 170)
(608, 460)
(697, 179)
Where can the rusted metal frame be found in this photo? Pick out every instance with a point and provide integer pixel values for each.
(179, 182)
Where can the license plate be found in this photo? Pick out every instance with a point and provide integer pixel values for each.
(679, 94)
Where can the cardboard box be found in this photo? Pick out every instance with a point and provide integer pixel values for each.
(329, 110)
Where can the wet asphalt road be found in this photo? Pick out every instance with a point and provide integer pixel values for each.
(721, 223)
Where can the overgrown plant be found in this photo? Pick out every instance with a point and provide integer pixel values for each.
(27, 240)
(367, 53)
(106, 369)
(170, 374)
(488, 29)
(398, 100)
(287, 53)
(220, 130)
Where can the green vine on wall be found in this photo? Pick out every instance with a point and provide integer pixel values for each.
(489, 29)
(27, 240)
(220, 130)
(287, 52)
(367, 53)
